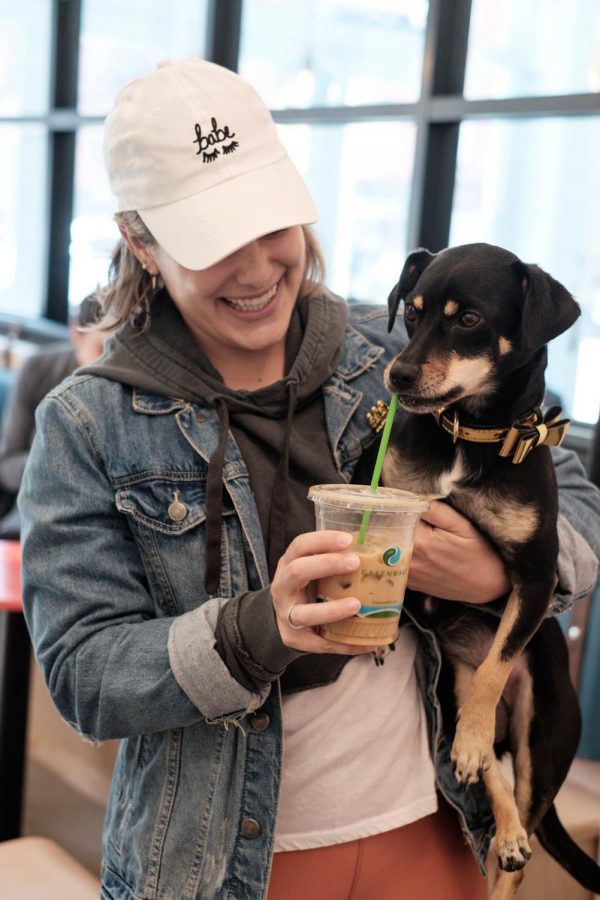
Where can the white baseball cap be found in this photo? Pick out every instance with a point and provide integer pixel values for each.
(193, 149)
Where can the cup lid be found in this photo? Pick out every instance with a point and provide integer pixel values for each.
(359, 496)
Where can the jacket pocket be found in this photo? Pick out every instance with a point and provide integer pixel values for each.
(170, 505)
(166, 514)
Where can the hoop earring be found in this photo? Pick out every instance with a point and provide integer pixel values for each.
(153, 282)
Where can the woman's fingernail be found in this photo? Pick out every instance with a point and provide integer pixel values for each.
(353, 606)
(345, 540)
(351, 561)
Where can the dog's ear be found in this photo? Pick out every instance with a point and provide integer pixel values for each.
(548, 307)
(416, 262)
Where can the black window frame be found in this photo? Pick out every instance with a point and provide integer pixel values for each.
(438, 113)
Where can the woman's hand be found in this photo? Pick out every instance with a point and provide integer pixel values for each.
(453, 560)
(310, 556)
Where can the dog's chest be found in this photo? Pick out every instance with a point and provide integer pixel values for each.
(497, 514)
(420, 475)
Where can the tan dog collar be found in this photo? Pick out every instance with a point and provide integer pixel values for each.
(532, 430)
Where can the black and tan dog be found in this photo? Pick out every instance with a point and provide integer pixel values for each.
(472, 380)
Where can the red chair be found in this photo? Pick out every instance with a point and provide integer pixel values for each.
(15, 655)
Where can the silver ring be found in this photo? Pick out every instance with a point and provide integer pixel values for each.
(289, 619)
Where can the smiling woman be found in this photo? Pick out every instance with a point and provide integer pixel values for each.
(170, 551)
(238, 309)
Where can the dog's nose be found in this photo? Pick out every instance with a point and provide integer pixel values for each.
(403, 375)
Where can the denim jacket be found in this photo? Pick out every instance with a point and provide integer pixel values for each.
(124, 631)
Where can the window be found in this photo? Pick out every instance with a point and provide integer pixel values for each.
(355, 57)
(22, 210)
(94, 232)
(24, 93)
(414, 122)
(122, 39)
(527, 48)
(25, 30)
(532, 186)
(360, 175)
(333, 52)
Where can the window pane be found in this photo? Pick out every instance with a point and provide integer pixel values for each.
(333, 52)
(359, 176)
(121, 39)
(24, 57)
(22, 206)
(521, 48)
(94, 232)
(532, 186)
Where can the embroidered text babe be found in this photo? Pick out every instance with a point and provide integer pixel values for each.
(215, 136)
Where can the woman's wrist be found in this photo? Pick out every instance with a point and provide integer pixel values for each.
(248, 640)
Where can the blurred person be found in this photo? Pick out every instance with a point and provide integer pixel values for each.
(40, 372)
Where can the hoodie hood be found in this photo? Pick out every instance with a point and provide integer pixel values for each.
(165, 359)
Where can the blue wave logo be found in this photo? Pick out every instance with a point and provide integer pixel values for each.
(391, 556)
(380, 612)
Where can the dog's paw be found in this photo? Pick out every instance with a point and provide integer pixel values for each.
(513, 849)
(472, 752)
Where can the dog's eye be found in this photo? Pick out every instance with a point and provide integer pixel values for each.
(468, 319)
(410, 313)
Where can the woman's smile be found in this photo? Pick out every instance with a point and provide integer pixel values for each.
(255, 307)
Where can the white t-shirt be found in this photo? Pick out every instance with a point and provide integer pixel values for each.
(355, 754)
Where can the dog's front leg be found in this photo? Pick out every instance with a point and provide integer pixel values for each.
(510, 842)
(472, 750)
(506, 885)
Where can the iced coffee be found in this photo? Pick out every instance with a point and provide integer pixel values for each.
(383, 525)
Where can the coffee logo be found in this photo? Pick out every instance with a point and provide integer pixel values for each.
(391, 556)
(215, 136)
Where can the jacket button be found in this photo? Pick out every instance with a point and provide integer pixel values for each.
(260, 721)
(250, 828)
(177, 511)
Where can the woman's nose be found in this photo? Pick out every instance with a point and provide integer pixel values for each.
(253, 265)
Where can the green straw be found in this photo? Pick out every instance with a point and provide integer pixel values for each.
(389, 420)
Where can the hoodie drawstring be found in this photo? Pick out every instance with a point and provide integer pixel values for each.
(214, 501)
(277, 536)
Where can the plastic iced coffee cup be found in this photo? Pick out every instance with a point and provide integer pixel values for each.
(383, 540)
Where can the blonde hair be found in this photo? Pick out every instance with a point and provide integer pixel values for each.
(127, 296)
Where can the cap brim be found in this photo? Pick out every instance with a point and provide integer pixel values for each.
(201, 230)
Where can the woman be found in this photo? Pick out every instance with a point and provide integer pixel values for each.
(169, 547)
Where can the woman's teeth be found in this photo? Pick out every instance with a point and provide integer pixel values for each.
(252, 304)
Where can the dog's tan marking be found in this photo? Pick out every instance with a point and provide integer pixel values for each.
(451, 307)
(418, 301)
(511, 842)
(504, 346)
(522, 717)
(471, 373)
(439, 374)
(506, 885)
(472, 750)
(505, 520)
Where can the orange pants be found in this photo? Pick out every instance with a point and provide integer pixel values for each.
(427, 860)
